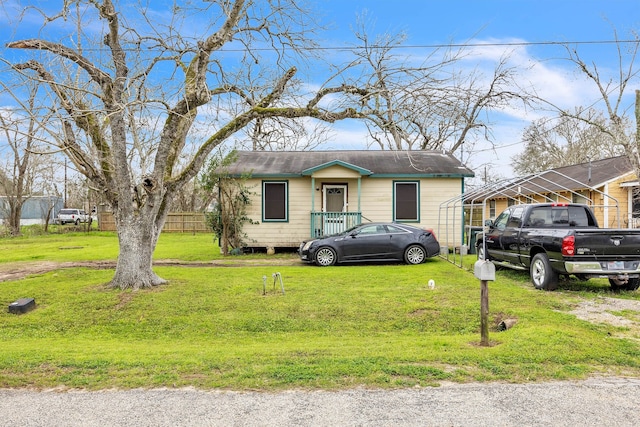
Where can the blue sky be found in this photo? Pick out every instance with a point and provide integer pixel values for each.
(528, 23)
(429, 23)
(533, 20)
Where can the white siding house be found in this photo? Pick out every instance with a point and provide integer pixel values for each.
(299, 195)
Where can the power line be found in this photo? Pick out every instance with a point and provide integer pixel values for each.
(479, 44)
(419, 46)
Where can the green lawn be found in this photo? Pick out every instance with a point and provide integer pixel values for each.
(334, 327)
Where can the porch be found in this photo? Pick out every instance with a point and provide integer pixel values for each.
(327, 223)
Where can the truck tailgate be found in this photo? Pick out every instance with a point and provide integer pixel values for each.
(608, 242)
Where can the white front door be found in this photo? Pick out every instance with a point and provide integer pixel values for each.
(334, 203)
(334, 198)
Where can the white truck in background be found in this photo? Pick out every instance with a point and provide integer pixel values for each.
(72, 216)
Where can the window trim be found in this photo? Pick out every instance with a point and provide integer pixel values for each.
(395, 206)
(286, 201)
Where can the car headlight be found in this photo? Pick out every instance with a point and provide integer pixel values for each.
(307, 245)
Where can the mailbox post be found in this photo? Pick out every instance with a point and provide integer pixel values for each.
(485, 271)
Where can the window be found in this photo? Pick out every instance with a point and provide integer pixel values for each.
(406, 201)
(501, 222)
(492, 208)
(572, 216)
(635, 194)
(395, 230)
(515, 220)
(539, 217)
(274, 201)
(581, 196)
(372, 229)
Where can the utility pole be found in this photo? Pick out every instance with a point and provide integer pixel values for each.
(65, 182)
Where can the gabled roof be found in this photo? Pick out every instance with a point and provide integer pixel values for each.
(345, 165)
(593, 174)
(589, 175)
(374, 163)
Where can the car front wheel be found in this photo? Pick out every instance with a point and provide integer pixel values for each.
(542, 275)
(325, 256)
(415, 254)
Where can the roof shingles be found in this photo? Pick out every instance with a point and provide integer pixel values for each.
(380, 163)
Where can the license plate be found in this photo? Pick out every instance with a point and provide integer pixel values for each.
(615, 265)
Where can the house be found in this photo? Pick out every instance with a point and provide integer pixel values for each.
(609, 186)
(297, 195)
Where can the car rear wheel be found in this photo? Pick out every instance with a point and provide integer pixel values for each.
(325, 256)
(415, 254)
(542, 275)
(77, 222)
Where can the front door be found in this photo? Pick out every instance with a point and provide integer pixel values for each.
(334, 203)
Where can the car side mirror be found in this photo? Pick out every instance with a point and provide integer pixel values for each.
(488, 223)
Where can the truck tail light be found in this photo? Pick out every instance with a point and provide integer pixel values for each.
(569, 246)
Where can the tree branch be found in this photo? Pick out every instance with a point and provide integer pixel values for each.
(97, 75)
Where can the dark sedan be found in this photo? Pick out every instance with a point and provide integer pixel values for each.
(372, 242)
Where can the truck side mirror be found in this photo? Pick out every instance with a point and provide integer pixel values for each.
(488, 223)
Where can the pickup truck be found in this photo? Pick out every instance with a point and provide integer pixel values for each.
(553, 239)
(75, 216)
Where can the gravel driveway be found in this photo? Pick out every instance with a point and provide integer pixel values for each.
(595, 402)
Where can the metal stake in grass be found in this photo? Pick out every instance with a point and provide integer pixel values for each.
(276, 277)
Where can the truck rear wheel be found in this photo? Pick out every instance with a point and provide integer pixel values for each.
(542, 275)
(630, 285)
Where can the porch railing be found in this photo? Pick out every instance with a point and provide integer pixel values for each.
(326, 223)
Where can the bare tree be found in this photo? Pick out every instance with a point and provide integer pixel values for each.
(550, 144)
(20, 158)
(276, 133)
(612, 91)
(174, 74)
(432, 105)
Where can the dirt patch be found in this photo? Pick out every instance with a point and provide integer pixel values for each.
(617, 312)
(20, 270)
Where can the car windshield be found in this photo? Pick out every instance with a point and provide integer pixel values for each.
(67, 211)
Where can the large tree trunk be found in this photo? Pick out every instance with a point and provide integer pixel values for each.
(137, 239)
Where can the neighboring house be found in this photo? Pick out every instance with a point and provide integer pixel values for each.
(34, 209)
(609, 186)
(303, 194)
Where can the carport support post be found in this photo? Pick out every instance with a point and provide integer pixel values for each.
(485, 271)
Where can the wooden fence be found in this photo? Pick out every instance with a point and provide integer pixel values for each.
(177, 222)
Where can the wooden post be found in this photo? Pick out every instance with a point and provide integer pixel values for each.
(484, 313)
(485, 271)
